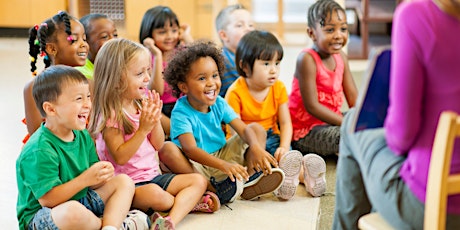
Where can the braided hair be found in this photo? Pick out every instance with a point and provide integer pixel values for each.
(318, 12)
(39, 35)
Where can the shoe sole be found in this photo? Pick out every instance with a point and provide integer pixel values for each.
(263, 185)
(290, 163)
(314, 174)
(239, 190)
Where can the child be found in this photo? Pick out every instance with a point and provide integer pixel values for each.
(321, 78)
(99, 28)
(196, 128)
(126, 123)
(162, 34)
(59, 40)
(232, 23)
(258, 96)
(61, 184)
(385, 170)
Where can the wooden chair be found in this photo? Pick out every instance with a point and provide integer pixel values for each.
(370, 11)
(441, 183)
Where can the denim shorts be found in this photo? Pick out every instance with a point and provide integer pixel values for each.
(161, 180)
(273, 142)
(43, 219)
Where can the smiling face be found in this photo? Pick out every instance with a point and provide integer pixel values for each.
(70, 111)
(101, 30)
(166, 38)
(240, 23)
(264, 73)
(202, 84)
(65, 52)
(333, 36)
(137, 77)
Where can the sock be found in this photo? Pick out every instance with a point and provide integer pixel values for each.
(109, 228)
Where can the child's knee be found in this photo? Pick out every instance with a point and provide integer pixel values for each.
(72, 212)
(258, 129)
(169, 150)
(123, 181)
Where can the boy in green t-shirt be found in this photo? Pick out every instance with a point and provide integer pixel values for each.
(61, 182)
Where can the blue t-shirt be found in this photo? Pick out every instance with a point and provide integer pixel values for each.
(205, 127)
(230, 73)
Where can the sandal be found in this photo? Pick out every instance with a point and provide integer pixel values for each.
(209, 203)
(161, 223)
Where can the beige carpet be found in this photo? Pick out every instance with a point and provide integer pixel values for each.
(327, 202)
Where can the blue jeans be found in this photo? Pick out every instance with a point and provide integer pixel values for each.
(162, 180)
(273, 142)
(368, 180)
(43, 220)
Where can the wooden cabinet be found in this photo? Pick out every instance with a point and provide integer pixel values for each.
(26, 13)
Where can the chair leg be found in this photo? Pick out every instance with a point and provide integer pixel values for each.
(364, 39)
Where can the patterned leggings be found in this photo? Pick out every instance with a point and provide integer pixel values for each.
(322, 140)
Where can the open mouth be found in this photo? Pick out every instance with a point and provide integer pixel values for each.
(211, 94)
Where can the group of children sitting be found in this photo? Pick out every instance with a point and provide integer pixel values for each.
(167, 126)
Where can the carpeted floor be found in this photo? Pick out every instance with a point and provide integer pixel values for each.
(327, 203)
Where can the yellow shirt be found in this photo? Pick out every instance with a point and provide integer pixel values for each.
(250, 110)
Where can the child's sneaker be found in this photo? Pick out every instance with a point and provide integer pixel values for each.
(290, 163)
(314, 174)
(209, 203)
(161, 223)
(135, 220)
(259, 184)
(227, 190)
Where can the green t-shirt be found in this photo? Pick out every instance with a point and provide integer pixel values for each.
(87, 69)
(45, 162)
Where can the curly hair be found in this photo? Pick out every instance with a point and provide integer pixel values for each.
(181, 62)
(318, 12)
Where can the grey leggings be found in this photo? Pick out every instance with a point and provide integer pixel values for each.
(322, 140)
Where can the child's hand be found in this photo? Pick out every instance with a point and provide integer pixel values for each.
(235, 171)
(150, 44)
(184, 34)
(151, 112)
(99, 173)
(280, 151)
(260, 160)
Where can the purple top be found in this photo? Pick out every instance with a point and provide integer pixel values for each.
(425, 80)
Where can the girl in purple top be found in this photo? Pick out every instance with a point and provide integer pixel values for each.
(385, 170)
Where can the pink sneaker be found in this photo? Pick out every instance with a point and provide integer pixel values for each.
(314, 174)
(290, 163)
(161, 223)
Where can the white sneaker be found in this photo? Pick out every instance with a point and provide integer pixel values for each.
(314, 174)
(135, 220)
(290, 163)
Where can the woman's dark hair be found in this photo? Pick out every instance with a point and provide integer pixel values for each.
(39, 35)
(254, 45)
(318, 12)
(156, 18)
(180, 64)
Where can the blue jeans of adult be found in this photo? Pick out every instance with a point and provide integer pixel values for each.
(368, 180)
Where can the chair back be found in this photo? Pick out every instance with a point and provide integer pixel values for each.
(441, 183)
